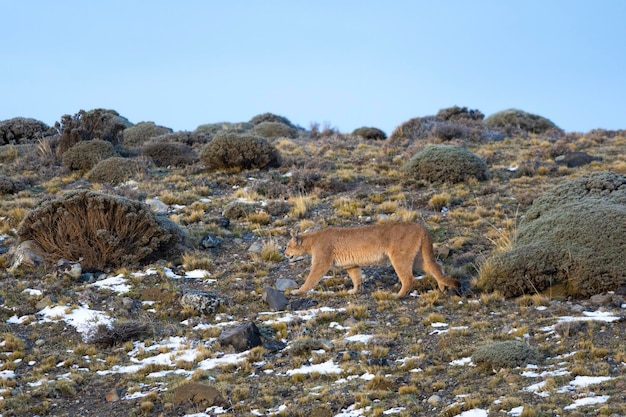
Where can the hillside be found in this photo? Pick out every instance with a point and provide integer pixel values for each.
(121, 338)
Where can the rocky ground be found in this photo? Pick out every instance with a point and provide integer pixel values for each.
(126, 342)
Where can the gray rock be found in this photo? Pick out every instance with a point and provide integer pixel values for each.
(241, 337)
(27, 253)
(302, 304)
(157, 205)
(434, 400)
(211, 241)
(69, 269)
(275, 299)
(283, 284)
(201, 301)
(256, 247)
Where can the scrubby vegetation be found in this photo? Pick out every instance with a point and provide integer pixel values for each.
(115, 170)
(117, 338)
(445, 163)
(88, 125)
(371, 133)
(570, 241)
(165, 154)
(519, 120)
(22, 130)
(270, 117)
(135, 136)
(274, 130)
(85, 155)
(100, 230)
(239, 152)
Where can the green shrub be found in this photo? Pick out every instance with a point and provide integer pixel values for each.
(507, 354)
(445, 163)
(102, 230)
(21, 130)
(457, 113)
(270, 117)
(570, 242)
(88, 125)
(84, 155)
(136, 136)
(274, 130)
(518, 120)
(239, 152)
(115, 170)
(10, 185)
(165, 154)
(205, 133)
(434, 128)
(370, 133)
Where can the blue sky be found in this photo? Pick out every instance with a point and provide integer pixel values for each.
(345, 63)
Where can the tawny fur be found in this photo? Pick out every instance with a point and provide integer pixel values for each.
(407, 245)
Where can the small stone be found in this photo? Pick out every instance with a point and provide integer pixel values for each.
(157, 206)
(434, 399)
(302, 304)
(211, 241)
(201, 301)
(256, 247)
(283, 284)
(27, 253)
(40, 342)
(69, 269)
(113, 395)
(275, 299)
(603, 299)
(241, 337)
(223, 222)
(47, 301)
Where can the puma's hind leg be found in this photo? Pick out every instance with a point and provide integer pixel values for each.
(355, 276)
(427, 262)
(403, 265)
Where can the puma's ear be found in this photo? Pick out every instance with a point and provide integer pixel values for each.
(298, 239)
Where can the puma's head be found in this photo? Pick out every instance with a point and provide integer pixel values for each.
(294, 248)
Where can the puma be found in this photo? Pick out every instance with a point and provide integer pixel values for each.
(407, 245)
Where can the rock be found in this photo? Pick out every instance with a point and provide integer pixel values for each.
(283, 284)
(241, 337)
(113, 395)
(275, 299)
(68, 269)
(198, 394)
(157, 205)
(201, 301)
(27, 253)
(47, 301)
(274, 345)
(434, 400)
(575, 159)
(302, 304)
(211, 241)
(256, 247)
(603, 299)
(223, 222)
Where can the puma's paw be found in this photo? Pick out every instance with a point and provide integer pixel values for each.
(354, 291)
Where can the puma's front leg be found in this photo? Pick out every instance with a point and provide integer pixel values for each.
(355, 276)
(318, 269)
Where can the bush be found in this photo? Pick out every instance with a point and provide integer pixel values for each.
(434, 128)
(135, 136)
(270, 117)
(571, 241)
(115, 170)
(165, 154)
(519, 121)
(507, 354)
(370, 133)
(102, 230)
(239, 152)
(205, 133)
(21, 130)
(84, 155)
(445, 163)
(457, 113)
(88, 125)
(10, 185)
(274, 130)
